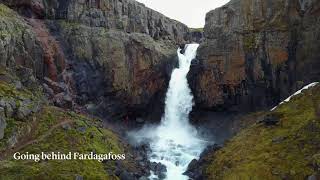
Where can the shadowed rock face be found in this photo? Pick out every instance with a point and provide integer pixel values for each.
(111, 56)
(256, 53)
(132, 68)
(124, 15)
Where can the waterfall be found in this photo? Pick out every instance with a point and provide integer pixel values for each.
(174, 143)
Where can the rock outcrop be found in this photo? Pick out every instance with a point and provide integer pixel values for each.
(112, 65)
(111, 56)
(123, 15)
(256, 53)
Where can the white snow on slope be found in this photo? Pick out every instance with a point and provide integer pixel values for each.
(296, 93)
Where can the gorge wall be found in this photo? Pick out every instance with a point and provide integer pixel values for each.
(110, 56)
(256, 52)
(113, 57)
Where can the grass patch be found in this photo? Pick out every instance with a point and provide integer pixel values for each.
(282, 151)
(54, 130)
(51, 138)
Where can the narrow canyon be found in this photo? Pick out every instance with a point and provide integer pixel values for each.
(102, 76)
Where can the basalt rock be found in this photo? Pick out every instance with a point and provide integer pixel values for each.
(117, 55)
(132, 69)
(196, 35)
(123, 15)
(256, 52)
(195, 168)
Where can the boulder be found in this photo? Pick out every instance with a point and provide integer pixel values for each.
(63, 100)
(270, 120)
(195, 167)
(158, 169)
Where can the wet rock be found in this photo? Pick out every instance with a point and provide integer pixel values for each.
(126, 176)
(162, 175)
(193, 164)
(143, 178)
(158, 169)
(210, 149)
(140, 120)
(194, 169)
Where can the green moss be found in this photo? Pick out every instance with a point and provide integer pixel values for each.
(249, 42)
(196, 29)
(12, 25)
(44, 132)
(9, 91)
(6, 11)
(285, 150)
(47, 135)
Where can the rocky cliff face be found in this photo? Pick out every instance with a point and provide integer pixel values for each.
(257, 52)
(124, 15)
(109, 56)
(116, 69)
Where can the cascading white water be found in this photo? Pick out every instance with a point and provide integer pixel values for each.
(177, 143)
(174, 143)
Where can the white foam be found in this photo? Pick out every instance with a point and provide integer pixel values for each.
(175, 142)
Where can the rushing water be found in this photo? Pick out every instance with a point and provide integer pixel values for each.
(174, 142)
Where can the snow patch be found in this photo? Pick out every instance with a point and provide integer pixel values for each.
(296, 93)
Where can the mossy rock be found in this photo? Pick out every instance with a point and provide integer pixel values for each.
(196, 30)
(56, 130)
(286, 150)
(249, 42)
